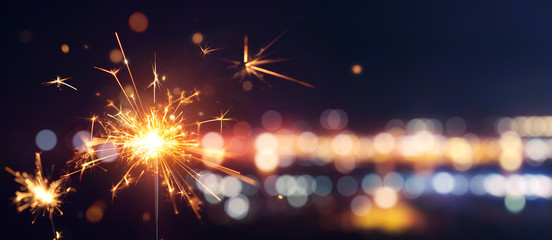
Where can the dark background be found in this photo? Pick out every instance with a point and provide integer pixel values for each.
(475, 59)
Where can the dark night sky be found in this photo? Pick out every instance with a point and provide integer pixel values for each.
(437, 59)
(474, 59)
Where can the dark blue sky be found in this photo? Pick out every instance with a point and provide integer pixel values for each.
(433, 58)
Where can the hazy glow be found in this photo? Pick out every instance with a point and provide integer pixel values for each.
(443, 183)
(307, 142)
(385, 197)
(266, 161)
(361, 205)
(266, 142)
(384, 143)
(460, 152)
(342, 144)
(495, 185)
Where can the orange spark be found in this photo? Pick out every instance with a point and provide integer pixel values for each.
(251, 64)
(59, 81)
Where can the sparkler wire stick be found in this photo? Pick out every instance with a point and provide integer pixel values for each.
(156, 199)
(156, 181)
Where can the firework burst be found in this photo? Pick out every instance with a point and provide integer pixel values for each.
(156, 139)
(38, 194)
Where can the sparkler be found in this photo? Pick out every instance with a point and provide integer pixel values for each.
(59, 81)
(156, 139)
(38, 195)
(251, 65)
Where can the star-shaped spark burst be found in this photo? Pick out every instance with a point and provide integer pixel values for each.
(155, 83)
(251, 65)
(38, 194)
(59, 81)
(206, 49)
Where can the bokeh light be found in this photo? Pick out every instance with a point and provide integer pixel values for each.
(271, 120)
(65, 48)
(443, 183)
(514, 204)
(230, 186)
(347, 186)
(197, 38)
(212, 141)
(356, 69)
(46, 140)
(414, 186)
(116, 56)
(107, 152)
(384, 143)
(385, 197)
(322, 185)
(266, 161)
(237, 207)
(247, 85)
(95, 212)
(334, 119)
(138, 22)
(361, 205)
(371, 182)
(80, 140)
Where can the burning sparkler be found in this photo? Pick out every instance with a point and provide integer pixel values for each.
(59, 81)
(251, 65)
(156, 139)
(38, 195)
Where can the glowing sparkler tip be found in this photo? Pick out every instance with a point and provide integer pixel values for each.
(38, 194)
(159, 138)
(58, 235)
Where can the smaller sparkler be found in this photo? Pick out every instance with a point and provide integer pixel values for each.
(59, 81)
(38, 194)
(251, 65)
